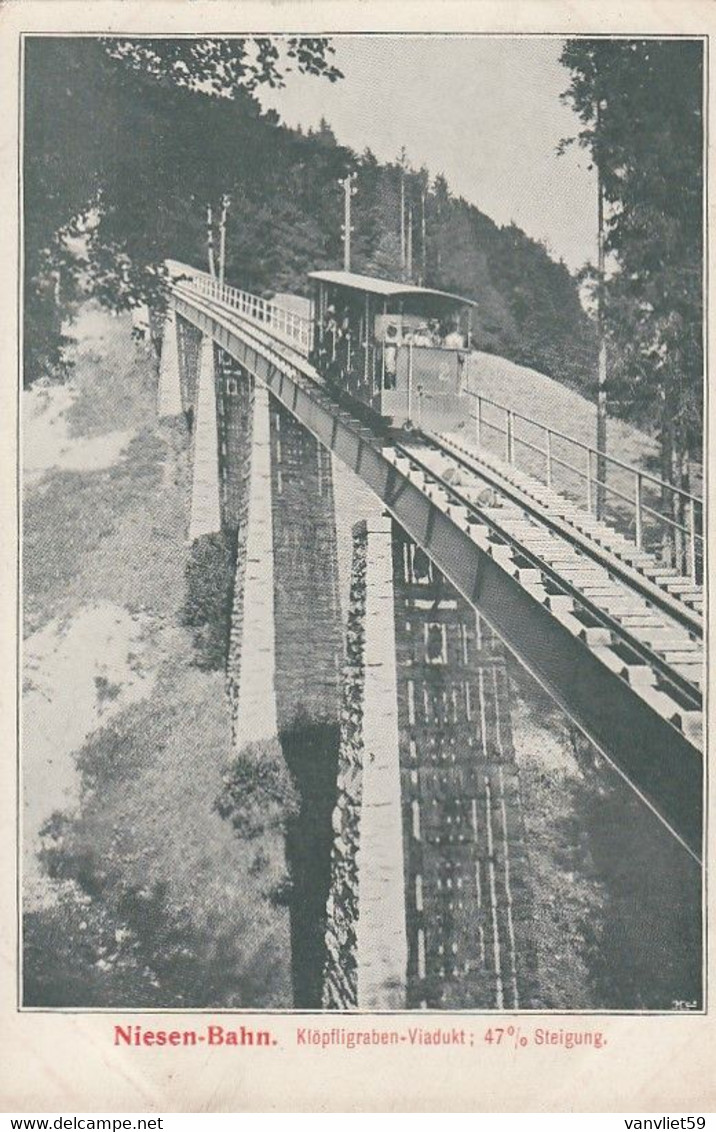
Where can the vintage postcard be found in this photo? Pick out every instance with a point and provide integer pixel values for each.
(356, 557)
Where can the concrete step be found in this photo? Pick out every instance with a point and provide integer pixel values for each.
(642, 619)
(682, 656)
(639, 675)
(595, 635)
(692, 672)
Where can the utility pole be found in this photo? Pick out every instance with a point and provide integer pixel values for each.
(349, 191)
(402, 214)
(210, 241)
(601, 470)
(409, 246)
(423, 240)
(402, 224)
(225, 202)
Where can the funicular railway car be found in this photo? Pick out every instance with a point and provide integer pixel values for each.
(400, 349)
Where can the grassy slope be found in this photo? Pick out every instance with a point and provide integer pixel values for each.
(157, 901)
(168, 876)
(616, 899)
(549, 402)
(566, 411)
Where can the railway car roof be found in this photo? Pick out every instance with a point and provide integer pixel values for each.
(384, 286)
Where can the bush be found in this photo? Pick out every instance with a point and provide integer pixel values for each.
(259, 794)
(209, 597)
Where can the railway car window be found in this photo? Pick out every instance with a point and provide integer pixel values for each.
(390, 365)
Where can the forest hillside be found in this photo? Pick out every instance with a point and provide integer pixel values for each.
(122, 162)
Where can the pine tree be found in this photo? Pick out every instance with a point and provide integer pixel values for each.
(132, 159)
(640, 103)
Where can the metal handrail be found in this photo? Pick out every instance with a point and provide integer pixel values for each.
(297, 331)
(293, 328)
(693, 540)
(516, 415)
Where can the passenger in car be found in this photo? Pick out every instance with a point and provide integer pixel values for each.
(454, 340)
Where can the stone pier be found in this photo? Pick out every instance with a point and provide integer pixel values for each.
(169, 401)
(380, 932)
(252, 670)
(367, 944)
(189, 343)
(309, 649)
(205, 499)
(430, 900)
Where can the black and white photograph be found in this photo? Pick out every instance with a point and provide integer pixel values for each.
(363, 543)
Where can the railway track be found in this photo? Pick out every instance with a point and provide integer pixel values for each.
(637, 629)
(638, 619)
(664, 586)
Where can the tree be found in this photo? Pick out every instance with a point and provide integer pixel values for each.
(385, 260)
(225, 67)
(122, 138)
(640, 103)
(126, 148)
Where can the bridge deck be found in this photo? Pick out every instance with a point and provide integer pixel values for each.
(643, 614)
(608, 543)
(611, 637)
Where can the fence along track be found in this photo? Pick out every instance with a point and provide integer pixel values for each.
(636, 489)
(296, 332)
(661, 663)
(605, 612)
